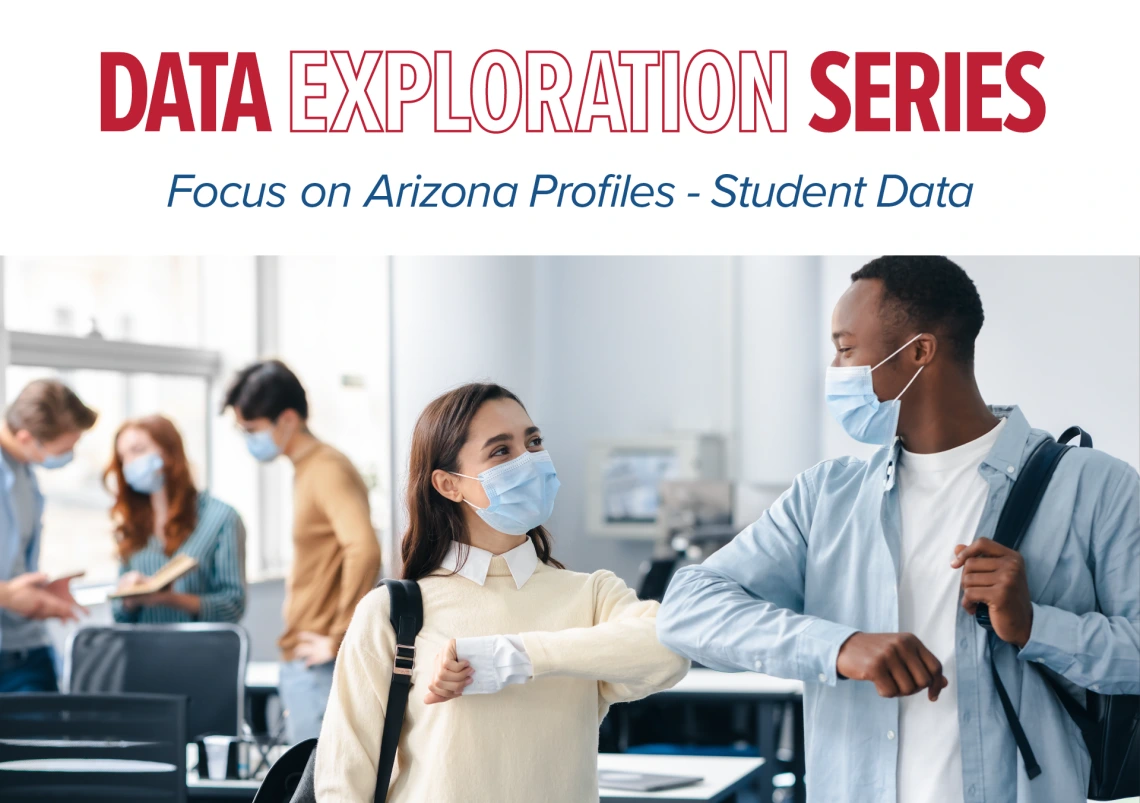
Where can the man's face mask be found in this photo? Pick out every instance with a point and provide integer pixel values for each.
(852, 401)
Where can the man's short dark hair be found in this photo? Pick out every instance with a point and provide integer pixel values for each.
(932, 294)
(265, 390)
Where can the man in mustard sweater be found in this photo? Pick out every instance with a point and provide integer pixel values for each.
(336, 557)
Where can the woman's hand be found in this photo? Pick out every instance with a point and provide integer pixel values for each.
(131, 579)
(451, 676)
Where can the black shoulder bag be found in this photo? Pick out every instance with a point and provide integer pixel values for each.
(290, 779)
(1108, 723)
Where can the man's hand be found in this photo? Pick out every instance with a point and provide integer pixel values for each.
(314, 648)
(451, 676)
(995, 575)
(31, 596)
(897, 663)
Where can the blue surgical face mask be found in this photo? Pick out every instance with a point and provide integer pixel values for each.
(57, 460)
(521, 493)
(852, 401)
(144, 473)
(262, 446)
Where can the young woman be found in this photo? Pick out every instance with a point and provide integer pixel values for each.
(529, 656)
(158, 513)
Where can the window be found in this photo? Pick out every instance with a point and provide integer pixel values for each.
(77, 526)
(131, 336)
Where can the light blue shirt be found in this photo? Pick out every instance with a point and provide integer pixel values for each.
(18, 552)
(822, 564)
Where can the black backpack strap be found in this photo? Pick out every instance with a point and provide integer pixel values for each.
(407, 616)
(1024, 499)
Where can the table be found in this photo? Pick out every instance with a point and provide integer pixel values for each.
(768, 694)
(723, 777)
(740, 684)
(200, 789)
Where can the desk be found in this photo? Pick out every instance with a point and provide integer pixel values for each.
(219, 790)
(722, 778)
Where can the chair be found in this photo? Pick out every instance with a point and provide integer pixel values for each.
(203, 662)
(98, 748)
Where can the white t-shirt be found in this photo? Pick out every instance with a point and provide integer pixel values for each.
(941, 498)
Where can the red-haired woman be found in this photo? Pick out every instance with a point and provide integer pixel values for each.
(158, 513)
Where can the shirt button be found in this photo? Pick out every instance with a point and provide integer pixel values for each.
(966, 717)
(758, 665)
(1095, 686)
(822, 678)
(962, 643)
(890, 734)
(1011, 469)
(972, 789)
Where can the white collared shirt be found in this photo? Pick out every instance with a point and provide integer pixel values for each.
(497, 660)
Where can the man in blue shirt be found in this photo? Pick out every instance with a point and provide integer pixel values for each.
(40, 428)
(863, 578)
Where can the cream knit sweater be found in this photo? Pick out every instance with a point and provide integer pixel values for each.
(592, 643)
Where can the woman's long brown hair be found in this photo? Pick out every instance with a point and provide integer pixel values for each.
(132, 514)
(434, 521)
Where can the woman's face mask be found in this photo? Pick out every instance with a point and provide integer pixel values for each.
(520, 493)
(144, 473)
(852, 401)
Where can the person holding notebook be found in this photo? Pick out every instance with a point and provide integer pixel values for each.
(518, 659)
(159, 514)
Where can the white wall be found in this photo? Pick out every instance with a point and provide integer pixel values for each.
(456, 320)
(1061, 339)
(630, 346)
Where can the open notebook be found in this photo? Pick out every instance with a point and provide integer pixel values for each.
(643, 781)
(175, 568)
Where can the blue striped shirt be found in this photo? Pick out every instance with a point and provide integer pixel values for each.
(217, 543)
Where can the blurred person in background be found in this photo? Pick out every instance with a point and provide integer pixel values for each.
(336, 556)
(159, 513)
(40, 428)
(529, 656)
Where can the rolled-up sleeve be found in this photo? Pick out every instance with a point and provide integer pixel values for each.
(742, 609)
(1100, 650)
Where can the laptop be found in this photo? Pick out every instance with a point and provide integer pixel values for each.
(643, 781)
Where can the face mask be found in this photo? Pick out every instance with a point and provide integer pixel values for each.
(144, 473)
(57, 460)
(852, 401)
(521, 493)
(262, 446)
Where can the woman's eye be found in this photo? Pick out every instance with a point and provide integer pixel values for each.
(502, 450)
(536, 441)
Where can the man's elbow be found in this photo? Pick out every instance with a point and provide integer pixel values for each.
(674, 612)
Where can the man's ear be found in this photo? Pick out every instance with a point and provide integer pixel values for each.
(445, 485)
(25, 438)
(924, 349)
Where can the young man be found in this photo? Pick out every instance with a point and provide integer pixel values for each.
(336, 557)
(863, 578)
(41, 427)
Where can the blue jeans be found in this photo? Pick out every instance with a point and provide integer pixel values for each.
(27, 670)
(304, 694)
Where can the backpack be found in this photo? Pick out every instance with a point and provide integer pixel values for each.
(1108, 723)
(290, 779)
